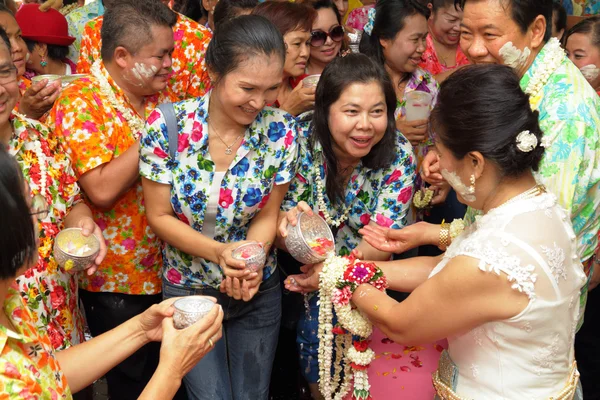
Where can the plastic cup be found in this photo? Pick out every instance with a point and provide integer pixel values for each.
(418, 105)
(190, 309)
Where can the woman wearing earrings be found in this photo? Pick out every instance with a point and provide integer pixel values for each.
(354, 170)
(46, 33)
(506, 291)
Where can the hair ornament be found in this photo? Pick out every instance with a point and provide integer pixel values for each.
(526, 141)
(370, 22)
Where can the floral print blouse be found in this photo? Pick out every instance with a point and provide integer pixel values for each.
(92, 132)
(379, 195)
(359, 17)
(28, 368)
(189, 77)
(581, 7)
(50, 292)
(431, 63)
(265, 158)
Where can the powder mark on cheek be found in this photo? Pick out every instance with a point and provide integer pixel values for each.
(590, 72)
(142, 71)
(458, 185)
(513, 57)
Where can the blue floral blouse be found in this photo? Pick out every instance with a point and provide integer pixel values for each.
(265, 158)
(380, 195)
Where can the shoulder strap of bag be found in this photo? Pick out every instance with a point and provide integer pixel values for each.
(172, 129)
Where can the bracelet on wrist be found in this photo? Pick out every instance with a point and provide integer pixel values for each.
(444, 236)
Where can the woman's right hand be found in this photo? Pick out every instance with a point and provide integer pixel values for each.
(430, 170)
(414, 131)
(39, 98)
(181, 349)
(300, 100)
(400, 240)
(291, 217)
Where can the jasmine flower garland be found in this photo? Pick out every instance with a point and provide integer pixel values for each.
(340, 277)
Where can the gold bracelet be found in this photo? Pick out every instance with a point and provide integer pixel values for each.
(444, 236)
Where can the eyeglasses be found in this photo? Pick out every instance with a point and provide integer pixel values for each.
(39, 207)
(8, 75)
(318, 38)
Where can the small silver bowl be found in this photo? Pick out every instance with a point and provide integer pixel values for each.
(311, 240)
(253, 254)
(75, 252)
(311, 81)
(190, 309)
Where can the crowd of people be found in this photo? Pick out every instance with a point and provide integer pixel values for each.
(177, 131)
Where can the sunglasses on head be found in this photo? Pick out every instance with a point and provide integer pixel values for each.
(318, 38)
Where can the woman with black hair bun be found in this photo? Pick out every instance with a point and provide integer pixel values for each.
(354, 171)
(506, 291)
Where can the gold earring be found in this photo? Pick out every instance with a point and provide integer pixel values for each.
(472, 187)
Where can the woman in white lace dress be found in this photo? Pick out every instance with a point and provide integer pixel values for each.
(506, 292)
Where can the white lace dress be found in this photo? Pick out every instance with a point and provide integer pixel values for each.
(529, 356)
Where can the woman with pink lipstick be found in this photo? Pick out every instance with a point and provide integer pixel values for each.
(36, 99)
(354, 170)
(443, 55)
(327, 37)
(294, 22)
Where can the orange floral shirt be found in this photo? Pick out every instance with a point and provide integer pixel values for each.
(28, 368)
(189, 78)
(93, 132)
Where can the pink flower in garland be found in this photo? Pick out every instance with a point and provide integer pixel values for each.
(342, 296)
(362, 272)
(380, 284)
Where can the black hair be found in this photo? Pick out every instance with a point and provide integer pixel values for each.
(524, 12)
(337, 76)
(389, 20)
(240, 38)
(482, 108)
(437, 4)
(128, 23)
(229, 9)
(192, 9)
(17, 233)
(559, 14)
(5, 38)
(55, 52)
(591, 26)
(323, 4)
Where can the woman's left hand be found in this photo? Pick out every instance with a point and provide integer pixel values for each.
(151, 320)
(89, 227)
(243, 289)
(306, 282)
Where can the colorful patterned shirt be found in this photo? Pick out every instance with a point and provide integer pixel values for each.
(189, 77)
(28, 368)
(432, 64)
(50, 292)
(92, 132)
(265, 158)
(582, 7)
(77, 19)
(379, 195)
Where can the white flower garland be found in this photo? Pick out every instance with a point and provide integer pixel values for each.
(39, 153)
(351, 322)
(134, 121)
(554, 56)
(321, 201)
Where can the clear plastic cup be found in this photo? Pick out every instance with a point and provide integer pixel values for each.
(418, 105)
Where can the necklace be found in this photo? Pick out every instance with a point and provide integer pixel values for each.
(531, 193)
(134, 121)
(321, 201)
(553, 57)
(228, 147)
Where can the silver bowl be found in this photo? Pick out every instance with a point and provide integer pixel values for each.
(311, 81)
(311, 240)
(253, 254)
(190, 309)
(75, 252)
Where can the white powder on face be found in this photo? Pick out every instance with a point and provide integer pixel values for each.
(513, 57)
(142, 71)
(590, 72)
(458, 185)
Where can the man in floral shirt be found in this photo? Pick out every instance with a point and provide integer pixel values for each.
(98, 121)
(188, 78)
